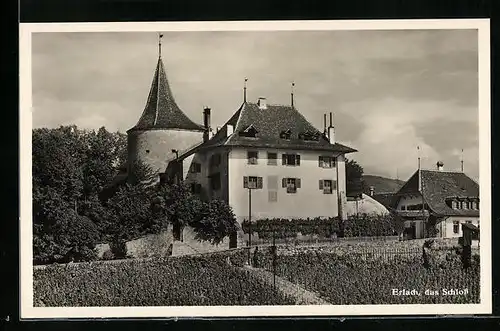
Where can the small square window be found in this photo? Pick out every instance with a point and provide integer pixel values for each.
(252, 157)
(272, 158)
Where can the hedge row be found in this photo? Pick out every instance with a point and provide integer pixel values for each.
(183, 281)
(354, 280)
(354, 226)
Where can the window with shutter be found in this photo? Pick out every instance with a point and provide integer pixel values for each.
(283, 182)
(291, 185)
(283, 159)
(252, 182)
(245, 182)
(320, 161)
(320, 184)
(259, 182)
(297, 182)
(327, 186)
(291, 159)
(334, 184)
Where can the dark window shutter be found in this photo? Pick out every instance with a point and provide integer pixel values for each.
(283, 160)
(297, 182)
(321, 184)
(298, 159)
(259, 182)
(283, 182)
(334, 184)
(320, 161)
(245, 182)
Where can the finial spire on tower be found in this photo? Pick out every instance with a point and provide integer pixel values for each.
(160, 35)
(291, 94)
(462, 160)
(245, 90)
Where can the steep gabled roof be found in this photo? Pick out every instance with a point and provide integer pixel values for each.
(161, 110)
(438, 186)
(269, 123)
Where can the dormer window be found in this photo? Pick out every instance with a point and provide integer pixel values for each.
(250, 131)
(309, 136)
(286, 134)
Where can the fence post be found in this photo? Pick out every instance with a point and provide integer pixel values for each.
(274, 261)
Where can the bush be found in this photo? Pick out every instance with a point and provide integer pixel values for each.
(354, 226)
(352, 279)
(186, 281)
(216, 222)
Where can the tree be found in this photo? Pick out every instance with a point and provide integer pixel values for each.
(216, 222)
(59, 233)
(175, 204)
(354, 178)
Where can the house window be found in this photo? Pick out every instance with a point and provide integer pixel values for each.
(326, 162)
(195, 167)
(195, 188)
(327, 185)
(252, 182)
(455, 227)
(291, 184)
(273, 196)
(272, 158)
(252, 157)
(403, 207)
(468, 222)
(215, 160)
(215, 182)
(290, 159)
(475, 205)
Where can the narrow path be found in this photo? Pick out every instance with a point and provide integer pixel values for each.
(301, 295)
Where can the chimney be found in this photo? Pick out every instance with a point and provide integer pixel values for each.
(439, 165)
(229, 130)
(324, 124)
(372, 190)
(331, 131)
(206, 124)
(262, 103)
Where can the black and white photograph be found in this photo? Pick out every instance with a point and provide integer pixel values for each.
(255, 168)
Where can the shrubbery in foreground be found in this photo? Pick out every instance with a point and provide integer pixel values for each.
(183, 281)
(354, 280)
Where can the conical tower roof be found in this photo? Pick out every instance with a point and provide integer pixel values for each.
(161, 110)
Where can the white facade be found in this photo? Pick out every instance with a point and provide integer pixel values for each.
(273, 200)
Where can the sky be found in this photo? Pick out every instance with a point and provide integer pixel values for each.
(390, 91)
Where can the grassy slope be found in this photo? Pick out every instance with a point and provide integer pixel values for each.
(381, 184)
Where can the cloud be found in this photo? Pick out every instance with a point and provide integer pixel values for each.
(389, 90)
(395, 127)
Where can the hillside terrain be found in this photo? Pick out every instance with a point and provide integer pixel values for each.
(381, 184)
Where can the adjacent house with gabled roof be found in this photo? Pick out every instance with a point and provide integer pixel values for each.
(437, 202)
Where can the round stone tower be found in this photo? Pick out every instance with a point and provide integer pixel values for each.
(163, 130)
